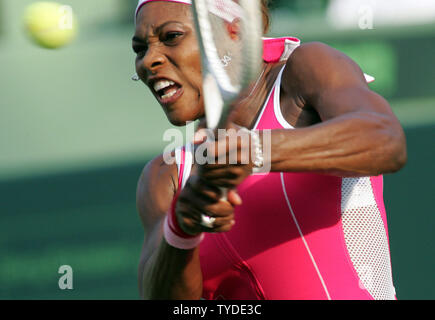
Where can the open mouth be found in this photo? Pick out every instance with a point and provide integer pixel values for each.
(167, 91)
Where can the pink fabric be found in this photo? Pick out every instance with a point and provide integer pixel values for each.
(288, 240)
(264, 255)
(269, 246)
(273, 48)
(268, 118)
(180, 176)
(378, 190)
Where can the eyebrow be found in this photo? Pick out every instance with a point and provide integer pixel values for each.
(158, 29)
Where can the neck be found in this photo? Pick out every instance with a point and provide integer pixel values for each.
(249, 107)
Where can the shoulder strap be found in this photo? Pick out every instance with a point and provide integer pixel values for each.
(184, 160)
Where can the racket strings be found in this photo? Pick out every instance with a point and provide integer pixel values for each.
(226, 22)
(229, 50)
(230, 42)
(227, 10)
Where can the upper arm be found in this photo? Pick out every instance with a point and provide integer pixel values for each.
(155, 191)
(331, 83)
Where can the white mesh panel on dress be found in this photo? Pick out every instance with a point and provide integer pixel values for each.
(366, 238)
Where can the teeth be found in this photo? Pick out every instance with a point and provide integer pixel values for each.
(169, 94)
(162, 84)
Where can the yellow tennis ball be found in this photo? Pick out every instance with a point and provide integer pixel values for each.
(50, 24)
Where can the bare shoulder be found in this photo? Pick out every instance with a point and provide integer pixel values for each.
(315, 65)
(155, 190)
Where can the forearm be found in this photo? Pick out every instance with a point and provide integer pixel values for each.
(172, 274)
(365, 144)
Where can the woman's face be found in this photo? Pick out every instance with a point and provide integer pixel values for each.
(168, 59)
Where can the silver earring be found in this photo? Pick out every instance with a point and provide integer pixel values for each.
(135, 77)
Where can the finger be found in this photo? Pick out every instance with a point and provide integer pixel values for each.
(222, 208)
(228, 172)
(193, 225)
(220, 155)
(200, 136)
(234, 198)
(224, 228)
(221, 225)
(195, 209)
(189, 225)
(228, 182)
(202, 189)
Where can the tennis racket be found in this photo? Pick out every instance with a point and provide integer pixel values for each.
(229, 35)
(230, 58)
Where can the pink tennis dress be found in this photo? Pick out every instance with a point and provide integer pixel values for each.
(298, 235)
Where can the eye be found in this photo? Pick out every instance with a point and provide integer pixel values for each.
(172, 37)
(140, 50)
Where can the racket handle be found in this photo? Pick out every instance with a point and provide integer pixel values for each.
(224, 192)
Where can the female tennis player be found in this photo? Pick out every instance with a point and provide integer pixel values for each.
(315, 226)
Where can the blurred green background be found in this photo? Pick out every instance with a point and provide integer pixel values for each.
(75, 133)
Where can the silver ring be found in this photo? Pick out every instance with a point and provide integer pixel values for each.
(207, 221)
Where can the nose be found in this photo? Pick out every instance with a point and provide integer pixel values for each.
(153, 59)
